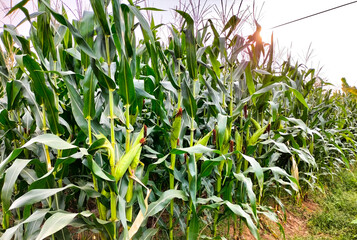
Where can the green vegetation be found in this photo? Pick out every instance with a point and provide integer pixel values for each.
(126, 138)
(339, 208)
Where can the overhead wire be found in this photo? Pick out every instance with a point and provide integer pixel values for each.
(312, 15)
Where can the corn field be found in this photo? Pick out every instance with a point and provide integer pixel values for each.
(109, 132)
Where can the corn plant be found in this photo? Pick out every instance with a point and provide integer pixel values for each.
(108, 130)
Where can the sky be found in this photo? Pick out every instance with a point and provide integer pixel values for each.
(325, 42)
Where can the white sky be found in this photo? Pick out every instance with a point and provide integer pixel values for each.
(332, 35)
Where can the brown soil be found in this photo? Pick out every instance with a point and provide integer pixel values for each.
(296, 224)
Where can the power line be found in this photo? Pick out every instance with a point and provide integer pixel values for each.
(343, 5)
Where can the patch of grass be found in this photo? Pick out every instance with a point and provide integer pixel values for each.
(339, 208)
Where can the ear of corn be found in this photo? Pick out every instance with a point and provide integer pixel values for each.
(256, 135)
(124, 162)
(202, 141)
(176, 128)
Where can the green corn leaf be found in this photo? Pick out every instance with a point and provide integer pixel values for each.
(188, 100)
(194, 227)
(177, 44)
(55, 223)
(279, 171)
(100, 13)
(77, 110)
(192, 168)
(29, 17)
(249, 79)
(11, 176)
(5, 122)
(103, 143)
(190, 45)
(36, 45)
(37, 195)
(256, 168)
(140, 92)
(143, 23)
(249, 187)
(214, 62)
(38, 215)
(96, 170)
(119, 26)
(236, 209)
(126, 82)
(104, 80)
(89, 86)
(149, 234)
(86, 29)
(299, 96)
(44, 95)
(76, 34)
(215, 34)
(208, 165)
(231, 25)
(50, 140)
(240, 212)
(44, 33)
(7, 38)
(122, 216)
(11, 157)
(164, 199)
(17, 6)
(195, 149)
(29, 175)
(221, 129)
(13, 92)
(281, 147)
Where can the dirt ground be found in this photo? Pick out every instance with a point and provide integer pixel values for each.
(296, 224)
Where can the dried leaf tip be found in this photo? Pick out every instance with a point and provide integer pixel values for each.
(145, 131)
(245, 110)
(214, 137)
(231, 146)
(268, 128)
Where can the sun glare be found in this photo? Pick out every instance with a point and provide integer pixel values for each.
(266, 34)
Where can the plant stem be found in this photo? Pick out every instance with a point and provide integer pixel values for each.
(179, 94)
(113, 197)
(189, 180)
(172, 186)
(102, 214)
(188, 170)
(111, 116)
(127, 121)
(89, 131)
(47, 153)
(128, 197)
(232, 100)
(173, 156)
(129, 193)
(223, 94)
(218, 190)
(113, 211)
